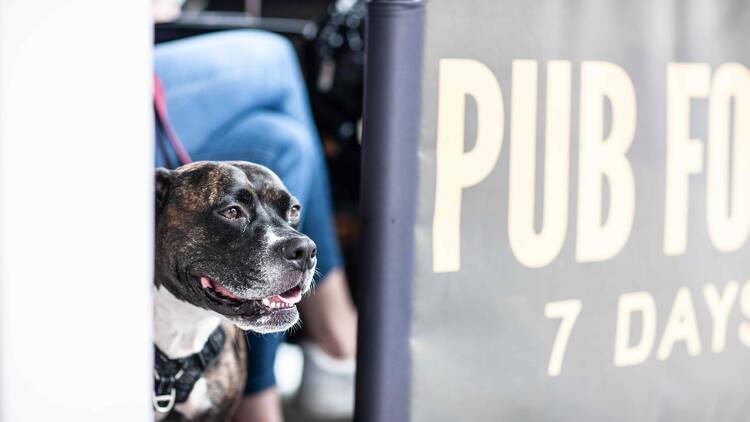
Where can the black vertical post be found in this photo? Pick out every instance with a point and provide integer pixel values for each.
(393, 78)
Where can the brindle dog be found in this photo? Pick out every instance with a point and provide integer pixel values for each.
(227, 248)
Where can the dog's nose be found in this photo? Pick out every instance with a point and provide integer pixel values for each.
(299, 251)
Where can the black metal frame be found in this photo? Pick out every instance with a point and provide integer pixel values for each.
(194, 23)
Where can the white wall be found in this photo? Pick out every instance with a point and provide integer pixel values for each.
(75, 210)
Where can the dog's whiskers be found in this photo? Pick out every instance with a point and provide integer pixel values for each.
(313, 285)
(296, 327)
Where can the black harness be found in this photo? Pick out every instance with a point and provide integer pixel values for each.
(174, 378)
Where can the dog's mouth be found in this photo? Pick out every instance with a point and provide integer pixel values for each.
(220, 294)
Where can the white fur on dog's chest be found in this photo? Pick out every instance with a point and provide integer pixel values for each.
(181, 329)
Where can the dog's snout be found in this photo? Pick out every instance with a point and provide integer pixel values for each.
(300, 252)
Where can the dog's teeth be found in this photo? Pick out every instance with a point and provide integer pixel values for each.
(273, 304)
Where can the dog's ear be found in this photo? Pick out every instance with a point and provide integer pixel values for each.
(164, 178)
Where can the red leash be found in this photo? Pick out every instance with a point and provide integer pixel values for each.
(160, 104)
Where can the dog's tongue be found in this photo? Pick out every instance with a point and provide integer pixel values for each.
(290, 296)
(208, 283)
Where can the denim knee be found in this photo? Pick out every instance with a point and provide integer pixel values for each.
(274, 140)
(298, 156)
(236, 43)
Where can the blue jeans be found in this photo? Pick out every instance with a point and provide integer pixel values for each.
(239, 95)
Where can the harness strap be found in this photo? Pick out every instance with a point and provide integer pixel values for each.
(174, 378)
(160, 106)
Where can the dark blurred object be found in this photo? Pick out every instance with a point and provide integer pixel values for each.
(251, 7)
(301, 9)
(333, 62)
(293, 18)
(226, 5)
(196, 23)
(297, 9)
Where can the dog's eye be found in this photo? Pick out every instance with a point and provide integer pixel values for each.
(231, 213)
(294, 212)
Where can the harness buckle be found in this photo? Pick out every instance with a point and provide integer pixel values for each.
(158, 400)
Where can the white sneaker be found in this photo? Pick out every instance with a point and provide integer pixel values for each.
(288, 369)
(327, 389)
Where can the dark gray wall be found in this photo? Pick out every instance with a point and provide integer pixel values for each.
(480, 341)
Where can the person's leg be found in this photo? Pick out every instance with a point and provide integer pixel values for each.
(272, 139)
(212, 81)
(261, 406)
(261, 400)
(330, 317)
(329, 314)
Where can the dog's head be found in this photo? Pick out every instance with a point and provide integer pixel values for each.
(227, 241)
